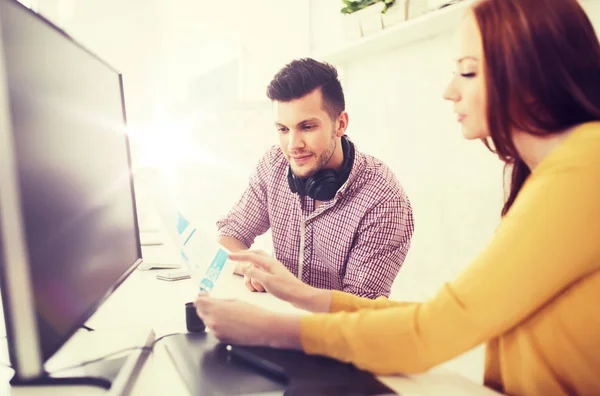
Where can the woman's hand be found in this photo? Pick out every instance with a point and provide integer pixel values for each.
(276, 279)
(241, 323)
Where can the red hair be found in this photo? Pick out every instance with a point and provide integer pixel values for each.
(542, 73)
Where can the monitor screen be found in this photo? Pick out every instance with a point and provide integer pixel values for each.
(73, 170)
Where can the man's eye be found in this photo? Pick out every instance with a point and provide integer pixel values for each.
(468, 75)
(309, 126)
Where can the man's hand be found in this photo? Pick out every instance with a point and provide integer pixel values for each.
(252, 284)
(241, 323)
(273, 277)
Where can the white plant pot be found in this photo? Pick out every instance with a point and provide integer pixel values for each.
(416, 8)
(396, 13)
(403, 10)
(370, 18)
(351, 27)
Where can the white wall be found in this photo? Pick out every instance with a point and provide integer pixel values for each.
(129, 35)
(163, 48)
(263, 35)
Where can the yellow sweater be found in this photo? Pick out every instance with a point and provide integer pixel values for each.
(533, 294)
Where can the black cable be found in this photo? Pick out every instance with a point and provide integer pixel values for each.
(161, 337)
(78, 365)
(144, 348)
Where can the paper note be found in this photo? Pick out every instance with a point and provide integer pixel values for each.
(196, 255)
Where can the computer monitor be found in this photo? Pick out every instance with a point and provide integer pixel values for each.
(68, 226)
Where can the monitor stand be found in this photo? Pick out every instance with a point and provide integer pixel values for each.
(115, 373)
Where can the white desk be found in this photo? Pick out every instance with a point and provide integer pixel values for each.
(145, 302)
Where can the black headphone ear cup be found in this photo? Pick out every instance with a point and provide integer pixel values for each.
(291, 183)
(321, 182)
(296, 184)
(309, 186)
(300, 186)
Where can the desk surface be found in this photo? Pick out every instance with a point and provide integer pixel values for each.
(143, 302)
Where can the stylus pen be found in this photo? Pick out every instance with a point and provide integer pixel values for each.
(271, 369)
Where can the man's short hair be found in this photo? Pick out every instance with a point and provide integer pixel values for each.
(302, 76)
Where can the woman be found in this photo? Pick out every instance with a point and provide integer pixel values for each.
(528, 78)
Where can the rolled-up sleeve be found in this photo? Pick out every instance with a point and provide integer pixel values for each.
(381, 245)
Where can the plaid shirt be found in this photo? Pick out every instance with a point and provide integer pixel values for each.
(355, 242)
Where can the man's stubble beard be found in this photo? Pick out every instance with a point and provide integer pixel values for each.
(323, 159)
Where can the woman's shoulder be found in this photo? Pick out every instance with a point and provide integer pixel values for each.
(578, 153)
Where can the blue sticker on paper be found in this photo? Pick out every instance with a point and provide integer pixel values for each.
(216, 266)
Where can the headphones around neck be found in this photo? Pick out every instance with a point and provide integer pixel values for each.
(323, 185)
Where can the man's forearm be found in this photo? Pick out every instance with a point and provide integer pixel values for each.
(233, 245)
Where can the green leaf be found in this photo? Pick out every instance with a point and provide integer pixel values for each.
(356, 5)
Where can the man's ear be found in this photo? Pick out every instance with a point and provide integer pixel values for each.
(342, 124)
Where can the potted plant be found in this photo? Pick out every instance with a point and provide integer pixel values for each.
(362, 17)
(352, 6)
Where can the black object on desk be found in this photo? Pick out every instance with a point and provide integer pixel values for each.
(209, 369)
(266, 367)
(193, 322)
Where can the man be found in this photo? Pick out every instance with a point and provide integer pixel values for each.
(339, 218)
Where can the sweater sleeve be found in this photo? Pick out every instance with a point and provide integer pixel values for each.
(547, 242)
(341, 301)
